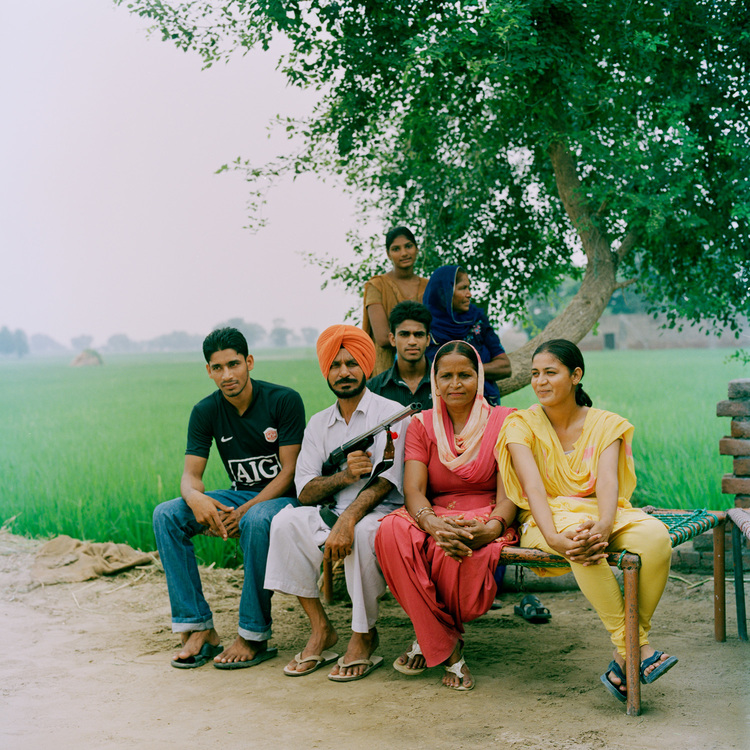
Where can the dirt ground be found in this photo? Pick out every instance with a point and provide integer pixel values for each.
(87, 666)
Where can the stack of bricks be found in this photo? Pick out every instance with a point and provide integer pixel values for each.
(698, 557)
(738, 444)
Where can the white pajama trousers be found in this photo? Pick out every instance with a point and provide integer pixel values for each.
(295, 557)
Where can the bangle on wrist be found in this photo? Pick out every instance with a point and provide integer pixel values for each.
(427, 509)
(503, 525)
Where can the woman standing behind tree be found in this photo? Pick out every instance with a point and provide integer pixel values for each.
(382, 293)
(455, 317)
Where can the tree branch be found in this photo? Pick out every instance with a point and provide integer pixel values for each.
(603, 206)
(626, 245)
(571, 194)
(599, 279)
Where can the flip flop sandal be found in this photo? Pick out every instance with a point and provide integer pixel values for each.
(415, 651)
(663, 667)
(532, 610)
(269, 653)
(205, 655)
(611, 687)
(456, 669)
(372, 663)
(321, 660)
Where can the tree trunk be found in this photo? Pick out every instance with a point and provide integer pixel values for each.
(599, 280)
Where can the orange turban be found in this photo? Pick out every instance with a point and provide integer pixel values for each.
(351, 338)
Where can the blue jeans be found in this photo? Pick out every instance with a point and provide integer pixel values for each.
(175, 526)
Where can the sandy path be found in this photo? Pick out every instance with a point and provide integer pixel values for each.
(87, 666)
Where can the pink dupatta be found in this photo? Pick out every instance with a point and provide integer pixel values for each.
(466, 454)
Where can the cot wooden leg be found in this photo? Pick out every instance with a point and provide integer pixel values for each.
(739, 582)
(327, 582)
(720, 615)
(630, 566)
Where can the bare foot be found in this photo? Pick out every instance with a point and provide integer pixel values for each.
(648, 651)
(614, 679)
(361, 646)
(319, 641)
(412, 662)
(193, 640)
(466, 681)
(241, 650)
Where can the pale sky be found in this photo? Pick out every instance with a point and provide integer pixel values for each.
(111, 217)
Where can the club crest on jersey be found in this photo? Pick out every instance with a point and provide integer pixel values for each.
(270, 434)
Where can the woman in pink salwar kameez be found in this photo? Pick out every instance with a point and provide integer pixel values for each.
(439, 553)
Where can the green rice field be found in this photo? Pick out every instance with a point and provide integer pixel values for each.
(90, 451)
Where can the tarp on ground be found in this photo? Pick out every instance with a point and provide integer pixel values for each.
(67, 560)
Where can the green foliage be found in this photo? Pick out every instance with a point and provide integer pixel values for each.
(279, 333)
(21, 343)
(91, 451)
(13, 342)
(443, 116)
(121, 343)
(253, 332)
(79, 343)
(741, 355)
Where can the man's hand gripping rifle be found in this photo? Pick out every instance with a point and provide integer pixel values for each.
(362, 442)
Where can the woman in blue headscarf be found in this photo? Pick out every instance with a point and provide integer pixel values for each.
(454, 317)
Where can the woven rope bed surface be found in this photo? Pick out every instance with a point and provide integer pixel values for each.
(682, 526)
(741, 518)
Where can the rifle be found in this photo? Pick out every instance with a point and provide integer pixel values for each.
(365, 440)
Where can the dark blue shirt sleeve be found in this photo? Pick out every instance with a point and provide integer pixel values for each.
(200, 434)
(291, 418)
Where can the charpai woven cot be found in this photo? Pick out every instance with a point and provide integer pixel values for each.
(682, 525)
(685, 525)
(740, 518)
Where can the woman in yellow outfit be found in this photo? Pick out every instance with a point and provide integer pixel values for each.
(569, 469)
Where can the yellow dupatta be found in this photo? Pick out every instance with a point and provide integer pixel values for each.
(570, 480)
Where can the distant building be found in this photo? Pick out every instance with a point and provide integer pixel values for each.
(643, 332)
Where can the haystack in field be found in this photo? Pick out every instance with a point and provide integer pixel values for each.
(87, 358)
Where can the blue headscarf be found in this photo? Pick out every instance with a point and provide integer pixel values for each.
(471, 326)
(447, 324)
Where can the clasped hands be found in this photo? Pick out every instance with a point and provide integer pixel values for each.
(458, 536)
(220, 520)
(585, 544)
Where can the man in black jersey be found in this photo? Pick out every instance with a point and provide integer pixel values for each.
(257, 428)
(408, 380)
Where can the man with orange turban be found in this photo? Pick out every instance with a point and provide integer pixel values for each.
(302, 539)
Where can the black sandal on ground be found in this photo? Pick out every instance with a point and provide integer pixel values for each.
(532, 610)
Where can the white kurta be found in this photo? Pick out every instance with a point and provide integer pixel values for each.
(297, 534)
